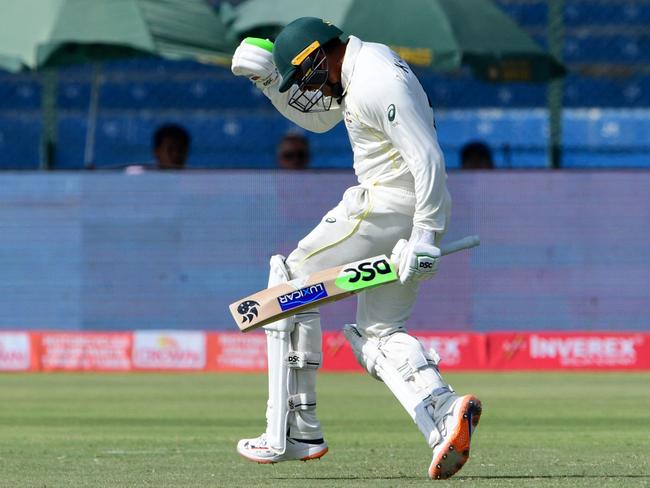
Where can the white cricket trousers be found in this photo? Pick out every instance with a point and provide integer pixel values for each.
(368, 221)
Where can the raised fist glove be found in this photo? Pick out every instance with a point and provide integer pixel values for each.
(417, 258)
(254, 62)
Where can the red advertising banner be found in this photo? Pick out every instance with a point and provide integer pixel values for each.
(234, 351)
(16, 352)
(85, 351)
(169, 350)
(456, 351)
(568, 351)
(337, 353)
(464, 351)
(247, 352)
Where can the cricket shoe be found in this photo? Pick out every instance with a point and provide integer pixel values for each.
(456, 418)
(258, 450)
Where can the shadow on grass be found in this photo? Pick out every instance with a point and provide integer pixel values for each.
(485, 477)
(553, 476)
(345, 478)
(108, 421)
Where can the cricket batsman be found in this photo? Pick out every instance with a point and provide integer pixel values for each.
(400, 207)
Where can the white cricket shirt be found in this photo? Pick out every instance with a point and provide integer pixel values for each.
(390, 125)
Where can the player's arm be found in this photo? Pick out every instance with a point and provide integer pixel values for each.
(404, 115)
(406, 118)
(312, 121)
(254, 59)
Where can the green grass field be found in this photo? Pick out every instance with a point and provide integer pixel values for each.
(156, 430)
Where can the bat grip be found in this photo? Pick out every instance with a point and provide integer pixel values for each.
(464, 243)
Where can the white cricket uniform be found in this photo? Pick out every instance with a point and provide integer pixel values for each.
(400, 169)
(402, 182)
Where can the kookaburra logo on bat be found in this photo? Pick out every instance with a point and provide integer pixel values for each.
(248, 310)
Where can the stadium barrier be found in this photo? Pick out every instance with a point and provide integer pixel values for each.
(169, 350)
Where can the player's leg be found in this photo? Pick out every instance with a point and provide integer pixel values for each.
(389, 353)
(357, 228)
(293, 431)
(294, 344)
(294, 354)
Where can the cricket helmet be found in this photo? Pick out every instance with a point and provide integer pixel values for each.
(298, 54)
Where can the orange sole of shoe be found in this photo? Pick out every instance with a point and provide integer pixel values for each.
(318, 455)
(455, 452)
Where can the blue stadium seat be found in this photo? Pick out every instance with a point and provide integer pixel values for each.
(600, 48)
(497, 127)
(241, 141)
(219, 141)
(578, 13)
(460, 92)
(517, 138)
(193, 93)
(73, 94)
(19, 93)
(20, 137)
(162, 66)
(595, 128)
(599, 13)
(608, 92)
(606, 138)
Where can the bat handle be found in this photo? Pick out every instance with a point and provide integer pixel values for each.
(464, 243)
(455, 246)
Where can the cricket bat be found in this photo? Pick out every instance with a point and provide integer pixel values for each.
(328, 285)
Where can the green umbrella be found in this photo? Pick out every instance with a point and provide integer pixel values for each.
(41, 33)
(37, 34)
(437, 34)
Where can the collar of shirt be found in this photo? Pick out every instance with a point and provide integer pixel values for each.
(349, 61)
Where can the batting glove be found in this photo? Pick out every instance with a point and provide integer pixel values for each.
(255, 63)
(418, 258)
